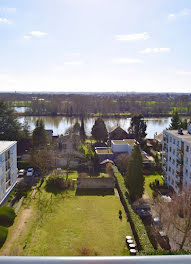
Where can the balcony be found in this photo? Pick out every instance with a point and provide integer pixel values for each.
(173, 259)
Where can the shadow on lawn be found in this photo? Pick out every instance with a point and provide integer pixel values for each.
(96, 192)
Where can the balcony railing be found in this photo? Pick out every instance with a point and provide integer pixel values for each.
(174, 259)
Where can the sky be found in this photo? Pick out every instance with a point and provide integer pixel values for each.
(95, 45)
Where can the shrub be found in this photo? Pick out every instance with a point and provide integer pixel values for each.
(22, 189)
(165, 252)
(55, 181)
(7, 216)
(3, 235)
(136, 223)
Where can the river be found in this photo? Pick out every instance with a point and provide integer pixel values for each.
(60, 124)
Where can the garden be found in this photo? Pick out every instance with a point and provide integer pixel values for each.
(65, 224)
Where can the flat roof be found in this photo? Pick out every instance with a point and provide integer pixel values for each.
(124, 141)
(186, 136)
(104, 150)
(5, 145)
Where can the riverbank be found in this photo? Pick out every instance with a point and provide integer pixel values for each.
(93, 115)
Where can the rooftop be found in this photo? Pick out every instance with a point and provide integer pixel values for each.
(103, 150)
(130, 142)
(185, 137)
(5, 145)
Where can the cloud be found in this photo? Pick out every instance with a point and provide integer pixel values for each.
(38, 33)
(182, 13)
(133, 37)
(126, 61)
(184, 73)
(5, 21)
(73, 62)
(155, 50)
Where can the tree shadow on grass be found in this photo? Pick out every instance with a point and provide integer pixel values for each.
(53, 189)
(94, 192)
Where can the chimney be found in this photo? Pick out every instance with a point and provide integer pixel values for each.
(189, 128)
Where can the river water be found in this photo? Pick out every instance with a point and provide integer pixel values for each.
(60, 124)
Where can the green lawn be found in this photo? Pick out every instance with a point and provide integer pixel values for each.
(149, 179)
(69, 225)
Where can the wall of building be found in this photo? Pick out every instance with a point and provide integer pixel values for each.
(8, 171)
(96, 183)
(116, 148)
(174, 146)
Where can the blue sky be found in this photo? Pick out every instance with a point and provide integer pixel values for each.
(95, 45)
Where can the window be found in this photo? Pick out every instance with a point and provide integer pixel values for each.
(170, 139)
(178, 142)
(174, 141)
(170, 149)
(187, 148)
(173, 172)
(169, 168)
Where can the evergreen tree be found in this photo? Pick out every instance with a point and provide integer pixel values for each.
(99, 130)
(82, 131)
(138, 127)
(9, 126)
(39, 136)
(134, 177)
(175, 121)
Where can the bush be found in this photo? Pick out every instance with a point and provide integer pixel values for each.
(7, 216)
(165, 252)
(55, 181)
(3, 235)
(136, 223)
(22, 190)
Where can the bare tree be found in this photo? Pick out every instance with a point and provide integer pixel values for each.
(176, 218)
(42, 159)
(122, 161)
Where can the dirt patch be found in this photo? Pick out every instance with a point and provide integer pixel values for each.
(17, 228)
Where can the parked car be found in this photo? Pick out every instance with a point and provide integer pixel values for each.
(30, 172)
(21, 173)
(37, 172)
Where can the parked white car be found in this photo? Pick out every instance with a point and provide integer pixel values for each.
(22, 173)
(30, 172)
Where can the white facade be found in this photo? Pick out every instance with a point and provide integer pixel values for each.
(125, 145)
(8, 167)
(177, 158)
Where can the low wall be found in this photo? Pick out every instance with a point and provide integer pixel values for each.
(96, 183)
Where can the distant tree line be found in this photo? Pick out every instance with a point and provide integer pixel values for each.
(115, 104)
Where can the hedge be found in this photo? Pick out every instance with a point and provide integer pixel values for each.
(165, 252)
(137, 226)
(3, 235)
(7, 216)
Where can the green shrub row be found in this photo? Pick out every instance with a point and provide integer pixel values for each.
(7, 216)
(3, 235)
(165, 252)
(136, 223)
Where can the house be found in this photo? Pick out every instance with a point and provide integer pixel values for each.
(68, 143)
(125, 145)
(66, 151)
(117, 147)
(117, 132)
(176, 158)
(50, 134)
(8, 168)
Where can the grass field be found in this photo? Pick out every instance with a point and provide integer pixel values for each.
(149, 179)
(69, 225)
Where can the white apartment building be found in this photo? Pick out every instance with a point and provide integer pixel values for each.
(177, 158)
(8, 167)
